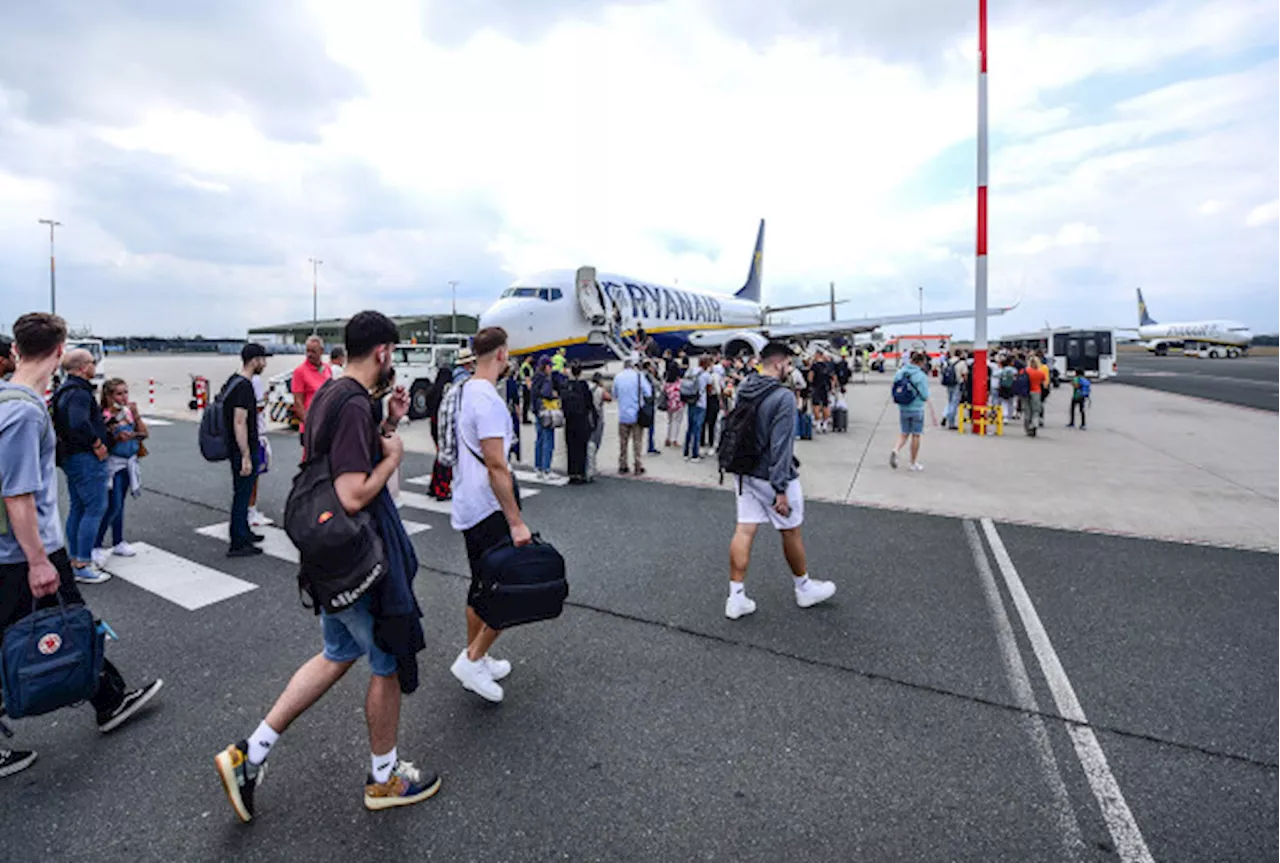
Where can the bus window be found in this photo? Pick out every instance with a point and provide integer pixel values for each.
(1091, 348)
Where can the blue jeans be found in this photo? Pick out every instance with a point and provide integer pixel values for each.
(87, 488)
(114, 516)
(348, 635)
(544, 447)
(693, 435)
(953, 404)
(241, 491)
(652, 448)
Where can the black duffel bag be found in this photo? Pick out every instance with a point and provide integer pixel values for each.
(520, 585)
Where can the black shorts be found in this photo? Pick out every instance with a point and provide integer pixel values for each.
(15, 588)
(821, 398)
(491, 532)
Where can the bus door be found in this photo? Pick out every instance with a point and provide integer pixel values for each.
(1082, 353)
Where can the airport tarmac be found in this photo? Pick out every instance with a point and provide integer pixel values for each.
(980, 688)
(1252, 381)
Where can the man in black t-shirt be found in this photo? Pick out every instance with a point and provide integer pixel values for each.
(240, 420)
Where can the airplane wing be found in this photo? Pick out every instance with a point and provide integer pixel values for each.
(820, 329)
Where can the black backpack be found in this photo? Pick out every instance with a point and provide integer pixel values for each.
(739, 450)
(575, 399)
(520, 585)
(213, 433)
(341, 556)
(949, 375)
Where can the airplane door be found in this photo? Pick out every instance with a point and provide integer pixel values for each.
(590, 296)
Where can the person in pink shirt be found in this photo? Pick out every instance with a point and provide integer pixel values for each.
(308, 377)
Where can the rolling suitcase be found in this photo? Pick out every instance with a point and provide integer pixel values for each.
(804, 426)
(840, 419)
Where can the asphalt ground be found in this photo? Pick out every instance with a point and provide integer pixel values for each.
(884, 725)
(1252, 382)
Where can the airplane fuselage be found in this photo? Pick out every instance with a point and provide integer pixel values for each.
(1230, 333)
(542, 313)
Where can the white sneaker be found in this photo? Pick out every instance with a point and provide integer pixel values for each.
(475, 676)
(814, 591)
(257, 519)
(498, 668)
(915, 465)
(123, 549)
(737, 605)
(99, 558)
(893, 459)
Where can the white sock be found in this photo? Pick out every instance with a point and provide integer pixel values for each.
(801, 581)
(382, 765)
(737, 588)
(261, 742)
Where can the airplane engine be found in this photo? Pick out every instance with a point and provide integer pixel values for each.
(731, 343)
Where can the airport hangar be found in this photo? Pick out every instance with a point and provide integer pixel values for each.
(413, 328)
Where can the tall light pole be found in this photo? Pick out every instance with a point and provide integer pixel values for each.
(53, 284)
(453, 287)
(921, 290)
(315, 282)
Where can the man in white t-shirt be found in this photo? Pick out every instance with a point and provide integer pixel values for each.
(256, 518)
(485, 504)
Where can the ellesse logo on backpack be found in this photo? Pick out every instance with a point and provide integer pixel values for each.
(324, 516)
(49, 643)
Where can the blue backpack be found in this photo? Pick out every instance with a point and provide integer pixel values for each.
(1085, 387)
(50, 659)
(904, 391)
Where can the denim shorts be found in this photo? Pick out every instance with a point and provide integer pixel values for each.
(911, 422)
(348, 635)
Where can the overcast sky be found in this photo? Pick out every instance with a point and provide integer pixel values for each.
(199, 153)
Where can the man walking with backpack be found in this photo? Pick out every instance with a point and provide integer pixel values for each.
(240, 425)
(757, 448)
(953, 374)
(486, 503)
(33, 559)
(382, 623)
(911, 394)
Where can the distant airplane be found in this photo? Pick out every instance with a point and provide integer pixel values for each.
(593, 316)
(1159, 337)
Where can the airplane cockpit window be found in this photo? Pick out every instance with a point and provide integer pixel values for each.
(556, 294)
(547, 295)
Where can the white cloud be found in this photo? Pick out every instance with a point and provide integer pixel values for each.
(1263, 214)
(609, 138)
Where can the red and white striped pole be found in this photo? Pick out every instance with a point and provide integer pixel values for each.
(980, 264)
(151, 391)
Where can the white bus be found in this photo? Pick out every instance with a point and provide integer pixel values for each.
(1066, 349)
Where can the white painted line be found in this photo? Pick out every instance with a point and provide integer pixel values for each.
(1128, 840)
(275, 543)
(156, 421)
(425, 479)
(415, 500)
(181, 581)
(1024, 696)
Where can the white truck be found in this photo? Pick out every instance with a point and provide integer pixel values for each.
(416, 368)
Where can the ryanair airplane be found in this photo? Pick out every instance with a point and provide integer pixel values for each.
(1233, 336)
(593, 315)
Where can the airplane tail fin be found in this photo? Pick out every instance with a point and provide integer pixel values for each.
(1144, 319)
(751, 290)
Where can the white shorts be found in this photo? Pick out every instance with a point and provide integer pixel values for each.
(755, 503)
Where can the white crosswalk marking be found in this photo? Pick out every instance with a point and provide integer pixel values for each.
(156, 421)
(414, 500)
(277, 543)
(181, 581)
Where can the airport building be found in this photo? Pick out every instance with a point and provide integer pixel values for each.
(413, 328)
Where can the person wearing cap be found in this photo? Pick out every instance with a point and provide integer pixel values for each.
(308, 377)
(466, 365)
(239, 419)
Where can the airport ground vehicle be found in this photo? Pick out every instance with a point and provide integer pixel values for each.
(1210, 350)
(93, 346)
(1066, 349)
(416, 368)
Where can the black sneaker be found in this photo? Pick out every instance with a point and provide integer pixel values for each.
(128, 706)
(256, 537)
(239, 777)
(15, 761)
(244, 551)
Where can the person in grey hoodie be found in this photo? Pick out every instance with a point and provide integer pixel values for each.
(770, 491)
